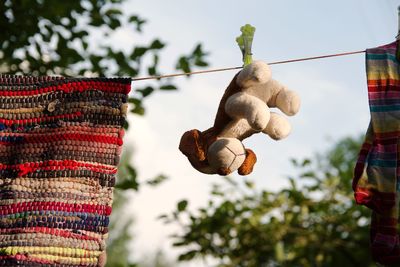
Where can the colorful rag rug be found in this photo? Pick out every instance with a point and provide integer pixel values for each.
(376, 182)
(60, 140)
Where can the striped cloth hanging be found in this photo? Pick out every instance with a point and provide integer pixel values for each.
(60, 141)
(376, 181)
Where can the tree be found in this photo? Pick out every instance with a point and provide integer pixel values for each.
(45, 37)
(312, 222)
(120, 224)
(120, 234)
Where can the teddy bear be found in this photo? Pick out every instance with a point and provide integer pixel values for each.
(244, 110)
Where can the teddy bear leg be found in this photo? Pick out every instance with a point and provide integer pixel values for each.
(278, 127)
(251, 108)
(248, 164)
(288, 101)
(257, 72)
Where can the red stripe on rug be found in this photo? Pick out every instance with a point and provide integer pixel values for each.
(73, 87)
(42, 119)
(57, 206)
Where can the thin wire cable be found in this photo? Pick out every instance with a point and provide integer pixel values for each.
(237, 68)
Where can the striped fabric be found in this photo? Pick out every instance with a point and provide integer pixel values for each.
(376, 182)
(60, 140)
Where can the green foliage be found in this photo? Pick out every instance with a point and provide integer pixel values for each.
(311, 222)
(120, 234)
(245, 41)
(156, 260)
(45, 37)
(196, 58)
(129, 181)
(156, 180)
(128, 177)
(120, 224)
(181, 206)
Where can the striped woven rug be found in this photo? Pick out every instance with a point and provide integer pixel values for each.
(377, 173)
(60, 141)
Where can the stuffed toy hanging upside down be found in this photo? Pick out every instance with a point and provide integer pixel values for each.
(242, 112)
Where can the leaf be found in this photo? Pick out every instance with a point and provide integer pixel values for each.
(181, 206)
(200, 63)
(230, 180)
(135, 101)
(113, 12)
(80, 34)
(139, 110)
(132, 172)
(138, 52)
(129, 182)
(151, 70)
(308, 174)
(157, 180)
(187, 256)
(279, 252)
(196, 58)
(162, 217)
(183, 64)
(293, 184)
(306, 162)
(249, 184)
(146, 91)
(157, 44)
(168, 87)
(217, 193)
(198, 51)
(139, 22)
(294, 162)
(126, 125)
(180, 243)
(133, 18)
(85, 45)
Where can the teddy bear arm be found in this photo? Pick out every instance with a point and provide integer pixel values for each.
(286, 100)
(251, 108)
(278, 127)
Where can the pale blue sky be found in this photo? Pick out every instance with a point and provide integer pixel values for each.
(333, 91)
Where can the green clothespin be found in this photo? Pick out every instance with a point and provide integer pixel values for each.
(245, 40)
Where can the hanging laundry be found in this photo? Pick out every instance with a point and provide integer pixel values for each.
(377, 170)
(60, 141)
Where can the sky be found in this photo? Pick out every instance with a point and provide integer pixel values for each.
(333, 91)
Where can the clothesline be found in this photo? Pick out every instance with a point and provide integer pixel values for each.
(237, 68)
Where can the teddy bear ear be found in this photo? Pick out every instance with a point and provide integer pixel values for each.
(190, 145)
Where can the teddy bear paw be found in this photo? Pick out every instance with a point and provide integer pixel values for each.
(288, 101)
(278, 127)
(260, 120)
